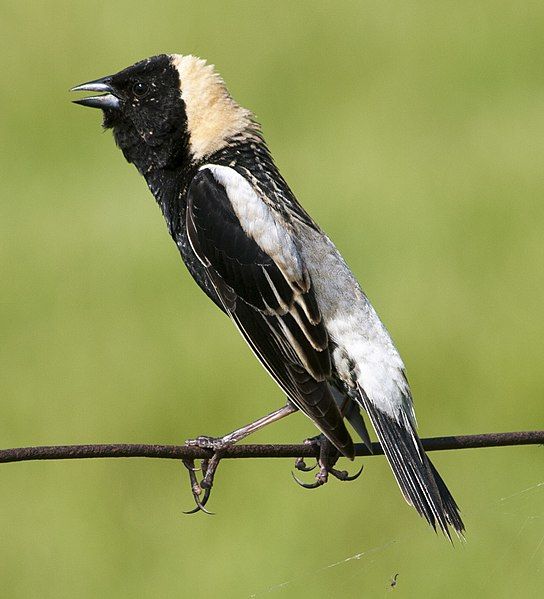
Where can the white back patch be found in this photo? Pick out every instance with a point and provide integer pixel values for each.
(259, 223)
(213, 117)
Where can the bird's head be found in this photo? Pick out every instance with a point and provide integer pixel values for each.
(169, 110)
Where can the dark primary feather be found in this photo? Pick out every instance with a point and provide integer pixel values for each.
(281, 324)
(417, 478)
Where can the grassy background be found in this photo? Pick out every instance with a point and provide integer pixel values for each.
(414, 133)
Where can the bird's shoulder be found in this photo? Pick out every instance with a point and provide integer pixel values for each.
(253, 161)
(239, 221)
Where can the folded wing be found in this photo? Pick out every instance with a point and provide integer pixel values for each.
(257, 271)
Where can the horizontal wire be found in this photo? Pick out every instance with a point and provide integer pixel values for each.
(178, 452)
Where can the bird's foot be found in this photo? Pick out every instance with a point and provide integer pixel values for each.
(205, 442)
(201, 490)
(328, 456)
(200, 494)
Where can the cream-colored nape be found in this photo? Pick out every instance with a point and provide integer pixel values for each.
(213, 117)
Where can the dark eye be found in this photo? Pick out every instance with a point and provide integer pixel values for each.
(140, 90)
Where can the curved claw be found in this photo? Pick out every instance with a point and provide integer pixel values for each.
(196, 489)
(356, 475)
(314, 485)
(199, 508)
(300, 464)
(344, 476)
(193, 511)
(200, 504)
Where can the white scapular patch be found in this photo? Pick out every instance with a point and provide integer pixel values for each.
(213, 117)
(259, 223)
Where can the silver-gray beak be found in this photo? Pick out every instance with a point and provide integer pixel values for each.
(107, 101)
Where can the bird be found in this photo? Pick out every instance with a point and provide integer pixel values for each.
(260, 257)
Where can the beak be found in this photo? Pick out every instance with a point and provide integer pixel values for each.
(107, 101)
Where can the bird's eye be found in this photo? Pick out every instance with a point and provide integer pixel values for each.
(140, 90)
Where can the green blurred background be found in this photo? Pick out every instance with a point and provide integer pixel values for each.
(414, 133)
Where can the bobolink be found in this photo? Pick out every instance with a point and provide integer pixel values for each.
(262, 260)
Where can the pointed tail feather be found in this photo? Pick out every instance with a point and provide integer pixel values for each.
(450, 506)
(417, 478)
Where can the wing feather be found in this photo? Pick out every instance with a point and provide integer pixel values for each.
(261, 279)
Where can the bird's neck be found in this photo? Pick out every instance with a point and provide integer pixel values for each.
(169, 187)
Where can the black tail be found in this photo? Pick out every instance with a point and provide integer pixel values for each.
(451, 508)
(417, 478)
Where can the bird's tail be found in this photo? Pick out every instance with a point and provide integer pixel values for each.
(417, 478)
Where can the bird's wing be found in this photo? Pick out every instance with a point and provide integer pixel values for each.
(257, 271)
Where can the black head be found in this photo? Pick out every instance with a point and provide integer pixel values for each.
(144, 107)
(170, 112)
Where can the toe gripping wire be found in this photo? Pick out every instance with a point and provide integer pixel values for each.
(328, 456)
(323, 475)
(201, 490)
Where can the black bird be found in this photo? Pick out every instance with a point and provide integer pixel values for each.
(262, 260)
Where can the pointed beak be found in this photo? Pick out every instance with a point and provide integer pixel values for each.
(106, 101)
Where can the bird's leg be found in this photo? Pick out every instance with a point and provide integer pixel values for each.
(218, 445)
(328, 456)
(208, 469)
